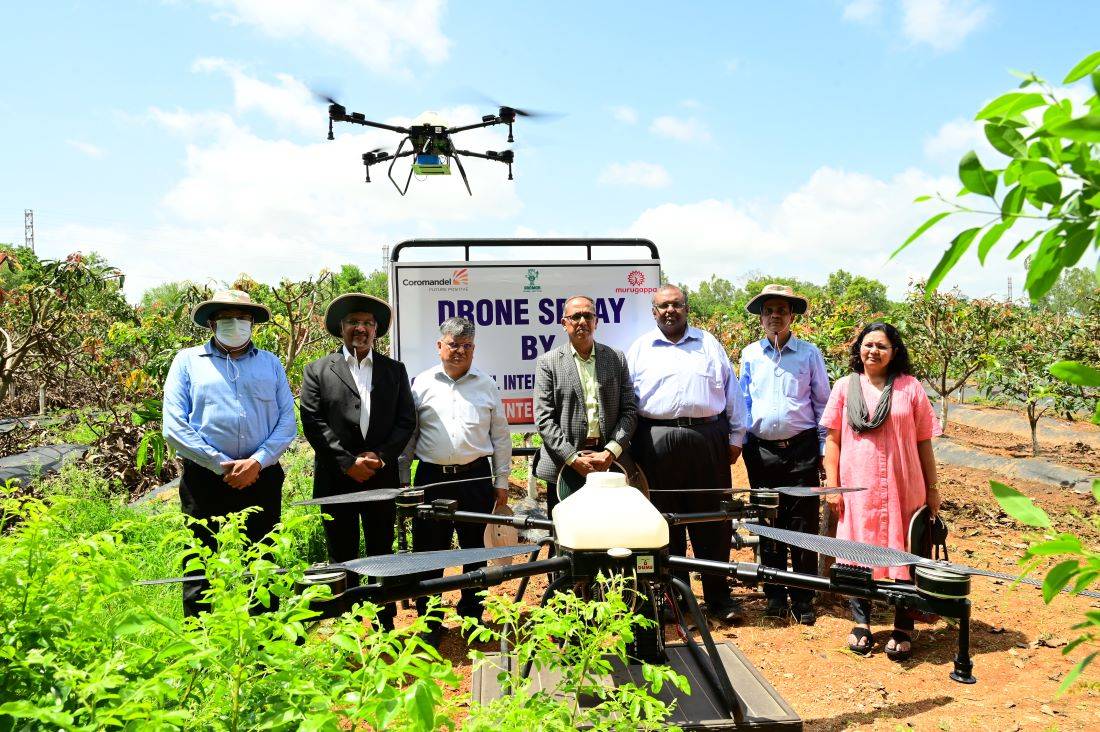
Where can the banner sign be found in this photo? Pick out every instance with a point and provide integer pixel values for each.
(516, 308)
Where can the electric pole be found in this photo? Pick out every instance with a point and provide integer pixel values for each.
(28, 228)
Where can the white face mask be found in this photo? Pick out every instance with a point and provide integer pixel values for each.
(233, 332)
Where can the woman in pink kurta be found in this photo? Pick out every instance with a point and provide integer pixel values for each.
(892, 460)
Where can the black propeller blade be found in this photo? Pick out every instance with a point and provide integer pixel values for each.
(880, 556)
(798, 491)
(394, 565)
(378, 494)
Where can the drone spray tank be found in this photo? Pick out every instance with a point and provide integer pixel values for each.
(607, 513)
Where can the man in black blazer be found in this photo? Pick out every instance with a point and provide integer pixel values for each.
(358, 414)
(585, 408)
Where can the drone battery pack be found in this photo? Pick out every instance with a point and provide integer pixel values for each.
(431, 165)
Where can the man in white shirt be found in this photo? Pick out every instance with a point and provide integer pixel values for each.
(462, 433)
(691, 424)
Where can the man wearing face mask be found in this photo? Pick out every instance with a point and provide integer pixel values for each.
(229, 414)
(786, 389)
(358, 414)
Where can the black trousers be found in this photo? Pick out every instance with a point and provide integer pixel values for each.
(771, 466)
(430, 535)
(861, 613)
(342, 537)
(679, 459)
(205, 495)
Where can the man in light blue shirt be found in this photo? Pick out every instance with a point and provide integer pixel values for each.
(786, 388)
(691, 426)
(229, 414)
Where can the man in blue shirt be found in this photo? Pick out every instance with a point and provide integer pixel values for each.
(691, 425)
(229, 413)
(786, 388)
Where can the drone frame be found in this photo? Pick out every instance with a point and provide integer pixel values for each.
(431, 140)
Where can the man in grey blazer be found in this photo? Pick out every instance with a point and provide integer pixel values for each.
(585, 408)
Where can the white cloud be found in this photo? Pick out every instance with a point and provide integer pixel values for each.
(92, 151)
(637, 173)
(954, 139)
(679, 128)
(626, 115)
(288, 102)
(836, 220)
(732, 66)
(690, 103)
(380, 34)
(942, 24)
(863, 11)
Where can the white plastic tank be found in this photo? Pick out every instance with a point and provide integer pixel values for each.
(607, 513)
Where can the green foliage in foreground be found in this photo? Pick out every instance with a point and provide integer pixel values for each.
(83, 648)
(581, 639)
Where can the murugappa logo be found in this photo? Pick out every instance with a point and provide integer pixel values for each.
(636, 279)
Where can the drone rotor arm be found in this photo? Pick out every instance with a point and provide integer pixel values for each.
(476, 125)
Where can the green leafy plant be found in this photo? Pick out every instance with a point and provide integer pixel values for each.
(1078, 568)
(579, 641)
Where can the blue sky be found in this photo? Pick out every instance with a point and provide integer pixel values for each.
(179, 138)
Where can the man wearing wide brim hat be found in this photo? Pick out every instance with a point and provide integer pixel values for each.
(229, 414)
(358, 414)
(786, 388)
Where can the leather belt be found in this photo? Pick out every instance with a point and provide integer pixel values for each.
(457, 469)
(590, 442)
(802, 436)
(682, 421)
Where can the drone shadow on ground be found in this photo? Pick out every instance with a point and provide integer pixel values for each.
(890, 711)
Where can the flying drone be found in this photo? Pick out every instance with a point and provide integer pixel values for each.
(429, 142)
(728, 692)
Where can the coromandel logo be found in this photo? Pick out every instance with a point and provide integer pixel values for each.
(532, 275)
(460, 276)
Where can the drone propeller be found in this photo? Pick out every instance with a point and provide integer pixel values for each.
(393, 565)
(880, 556)
(798, 491)
(379, 494)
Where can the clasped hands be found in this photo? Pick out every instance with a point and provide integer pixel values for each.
(588, 461)
(364, 467)
(241, 473)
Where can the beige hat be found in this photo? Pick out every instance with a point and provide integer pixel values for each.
(798, 303)
(229, 299)
(357, 302)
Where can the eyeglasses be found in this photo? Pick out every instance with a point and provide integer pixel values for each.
(675, 305)
(876, 347)
(360, 323)
(464, 347)
(578, 317)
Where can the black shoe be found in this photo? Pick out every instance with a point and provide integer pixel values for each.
(776, 609)
(804, 613)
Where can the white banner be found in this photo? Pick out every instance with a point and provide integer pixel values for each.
(516, 307)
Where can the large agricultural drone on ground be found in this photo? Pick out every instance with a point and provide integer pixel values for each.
(429, 140)
(728, 692)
